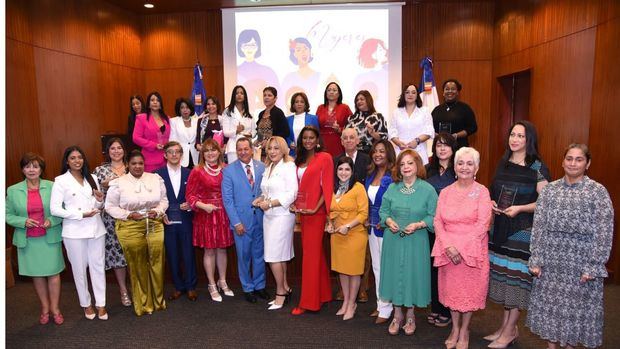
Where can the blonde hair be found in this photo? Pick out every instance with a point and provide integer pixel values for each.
(283, 148)
(210, 143)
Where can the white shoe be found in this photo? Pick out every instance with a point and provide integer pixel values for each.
(275, 306)
(221, 284)
(215, 295)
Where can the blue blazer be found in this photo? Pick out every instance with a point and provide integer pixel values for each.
(374, 208)
(238, 195)
(174, 211)
(292, 137)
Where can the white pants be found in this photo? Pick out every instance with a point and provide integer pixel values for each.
(88, 253)
(375, 243)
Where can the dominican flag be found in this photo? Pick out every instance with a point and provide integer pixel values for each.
(198, 94)
(428, 92)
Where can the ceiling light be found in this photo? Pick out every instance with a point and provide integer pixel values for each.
(149, 5)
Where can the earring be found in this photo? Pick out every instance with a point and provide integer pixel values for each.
(474, 177)
(318, 146)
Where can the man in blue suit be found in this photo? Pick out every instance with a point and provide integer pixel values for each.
(178, 224)
(240, 186)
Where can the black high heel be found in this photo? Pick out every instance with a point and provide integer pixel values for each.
(288, 295)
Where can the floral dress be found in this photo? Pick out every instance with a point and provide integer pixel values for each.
(114, 257)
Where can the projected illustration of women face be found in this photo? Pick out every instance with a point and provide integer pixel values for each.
(302, 53)
(249, 50)
(380, 55)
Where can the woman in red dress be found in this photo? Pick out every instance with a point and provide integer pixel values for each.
(333, 116)
(211, 232)
(315, 172)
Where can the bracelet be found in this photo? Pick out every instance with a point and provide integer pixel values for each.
(270, 205)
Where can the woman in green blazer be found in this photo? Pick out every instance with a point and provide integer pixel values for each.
(37, 235)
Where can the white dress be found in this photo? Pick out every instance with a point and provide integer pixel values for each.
(407, 127)
(279, 182)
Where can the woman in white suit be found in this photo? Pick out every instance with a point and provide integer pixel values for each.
(237, 121)
(279, 189)
(76, 198)
(183, 130)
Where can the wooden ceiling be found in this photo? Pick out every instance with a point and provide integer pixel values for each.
(171, 6)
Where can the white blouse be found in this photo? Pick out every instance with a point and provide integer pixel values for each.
(280, 183)
(299, 121)
(407, 127)
(129, 194)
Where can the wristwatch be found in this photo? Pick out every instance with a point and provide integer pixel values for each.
(417, 139)
(270, 206)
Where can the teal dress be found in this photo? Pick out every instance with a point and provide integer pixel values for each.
(36, 256)
(405, 260)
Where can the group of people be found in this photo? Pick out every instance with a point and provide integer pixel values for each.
(431, 233)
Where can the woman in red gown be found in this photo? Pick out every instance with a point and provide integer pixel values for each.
(333, 116)
(315, 172)
(211, 227)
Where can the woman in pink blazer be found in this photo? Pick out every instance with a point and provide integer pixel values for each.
(151, 132)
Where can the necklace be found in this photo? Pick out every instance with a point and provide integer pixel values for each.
(450, 106)
(407, 190)
(118, 170)
(212, 172)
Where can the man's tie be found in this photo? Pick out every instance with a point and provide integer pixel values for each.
(249, 174)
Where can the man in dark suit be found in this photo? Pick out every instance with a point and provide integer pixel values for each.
(350, 140)
(178, 224)
(240, 186)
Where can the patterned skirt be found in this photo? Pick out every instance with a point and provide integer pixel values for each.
(114, 257)
(562, 309)
(510, 281)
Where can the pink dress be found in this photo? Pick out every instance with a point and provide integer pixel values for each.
(210, 230)
(148, 135)
(462, 220)
(35, 211)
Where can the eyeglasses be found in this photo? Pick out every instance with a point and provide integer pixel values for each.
(174, 152)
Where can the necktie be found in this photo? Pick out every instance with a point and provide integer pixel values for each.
(249, 174)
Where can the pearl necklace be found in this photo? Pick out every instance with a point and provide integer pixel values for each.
(212, 172)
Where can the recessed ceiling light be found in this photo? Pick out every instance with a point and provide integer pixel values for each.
(149, 5)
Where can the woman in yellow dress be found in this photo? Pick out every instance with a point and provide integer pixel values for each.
(349, 210)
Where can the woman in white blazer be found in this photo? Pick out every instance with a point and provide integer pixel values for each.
(237, 121)
(183, 130)
(278, 191)
(76, 198)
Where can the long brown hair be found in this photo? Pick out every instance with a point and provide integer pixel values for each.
(210, 143)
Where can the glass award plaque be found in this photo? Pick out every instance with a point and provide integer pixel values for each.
(445, 127)
(506, 197)
(373, 219)
(301, 201)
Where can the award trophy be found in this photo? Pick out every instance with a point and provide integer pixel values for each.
(506, 197)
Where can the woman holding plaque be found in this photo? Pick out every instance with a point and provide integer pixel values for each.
(210, 224)
(77, 200)
(152, 131)
(378, 180)
(519, 178)
(138, 202)
(571, 239)
(37, 235)
(347, 215)
(333, 115)
(407, 210)
(461, 250)
(279, 189)
(315, 173)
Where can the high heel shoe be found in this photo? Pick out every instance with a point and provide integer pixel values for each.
(102, 314)
(350, 315)
(497, 345)
(450, 344)
(225, 289)
(394, 327)
(275, 306)
(58, 319)
(44, 318)
(462, 344)
(215, 295)
(493, 337)
(125, 300)
(90, 315)
(409, 327)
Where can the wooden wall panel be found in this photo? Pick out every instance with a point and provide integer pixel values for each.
(120, 37)
(68, 26)
(513, 27)
(18, 24)
(554, 19)
(23, 132)
(604, 121)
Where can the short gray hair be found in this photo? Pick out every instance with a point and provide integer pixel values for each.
(468, 151)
